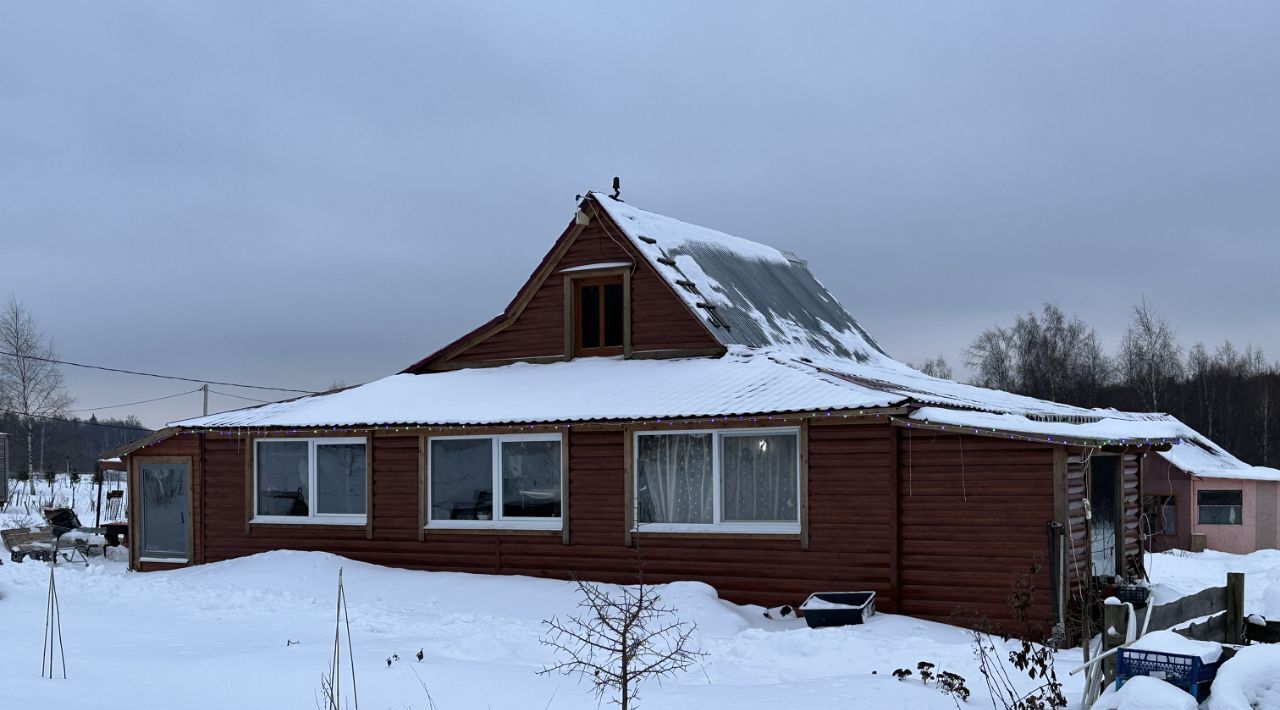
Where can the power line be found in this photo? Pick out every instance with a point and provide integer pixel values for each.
(130, 404)
(152, 374)
(247, 399)
(75, 421)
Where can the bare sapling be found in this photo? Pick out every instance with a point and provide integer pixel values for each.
(620, 638)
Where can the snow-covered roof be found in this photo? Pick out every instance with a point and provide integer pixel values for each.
(790, 347)
(744, 382)
(747, 293)
(585, 389)
(1199, 456)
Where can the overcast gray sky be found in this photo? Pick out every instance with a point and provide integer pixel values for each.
(295, 193)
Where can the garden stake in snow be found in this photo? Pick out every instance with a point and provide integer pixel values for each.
(331, 684)
(52, 630)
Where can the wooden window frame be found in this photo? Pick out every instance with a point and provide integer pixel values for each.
(572, 311)
(718, 526)
(313, 517)
(497, 522)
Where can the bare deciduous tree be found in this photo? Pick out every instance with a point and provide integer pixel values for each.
(1150, 357)
(935, 367)
(619, 640)
(30, 385)
(1047, 355)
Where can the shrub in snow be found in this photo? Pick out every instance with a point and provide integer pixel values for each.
(1145, 693)
(1251, 679)
(948, 683)
(1034, 660)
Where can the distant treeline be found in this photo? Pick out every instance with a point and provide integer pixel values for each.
(1230, 395)
(55, 444)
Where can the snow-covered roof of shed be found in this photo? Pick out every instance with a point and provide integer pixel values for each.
(747, 293)
(1200, 456)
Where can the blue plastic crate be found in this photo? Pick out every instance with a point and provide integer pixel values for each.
(1135, 594)
(1187, 672)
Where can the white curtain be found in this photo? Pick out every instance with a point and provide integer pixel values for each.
(760, 478)
(673, 478)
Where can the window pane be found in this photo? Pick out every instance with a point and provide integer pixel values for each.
(613, 315)
(340, 479)
(531, 479)
(760, 478)
(461, 479)
(1220, 515)
(673, 478)
(1170, 513)
(589, 316)
(1220, 497)
(164, 510)
(282, 478)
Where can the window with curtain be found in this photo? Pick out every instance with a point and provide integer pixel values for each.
(718, 480)
(509, 481)
(673, 479)
(319, 480)
(1220, 507)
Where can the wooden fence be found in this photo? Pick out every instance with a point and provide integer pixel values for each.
(1224, 607)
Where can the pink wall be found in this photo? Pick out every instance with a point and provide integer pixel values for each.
(1246, 536)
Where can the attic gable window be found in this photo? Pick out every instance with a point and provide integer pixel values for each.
(597, 312)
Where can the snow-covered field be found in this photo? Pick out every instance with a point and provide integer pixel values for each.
(218, 636)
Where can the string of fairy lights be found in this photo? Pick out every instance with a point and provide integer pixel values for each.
(675, 423)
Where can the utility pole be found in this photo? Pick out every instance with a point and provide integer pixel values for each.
(205, 389)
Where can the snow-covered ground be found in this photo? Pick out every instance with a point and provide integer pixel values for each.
(218, 636)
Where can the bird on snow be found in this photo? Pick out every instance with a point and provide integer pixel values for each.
(419, 654)
(388, 662)
(395, 656)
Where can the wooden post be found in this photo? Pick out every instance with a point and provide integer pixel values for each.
(1115, 620)
(1235, 607)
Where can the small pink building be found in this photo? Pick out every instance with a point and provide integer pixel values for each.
(1199, 488)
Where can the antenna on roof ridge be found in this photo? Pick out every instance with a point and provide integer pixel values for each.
(617, 188)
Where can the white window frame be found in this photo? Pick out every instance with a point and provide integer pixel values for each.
(498, 521)
(313, 518)
(717, 525)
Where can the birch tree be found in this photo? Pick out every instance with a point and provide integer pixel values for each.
(30, 385)
(1150, 357)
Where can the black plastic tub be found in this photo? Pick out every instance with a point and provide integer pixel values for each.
(823, 609)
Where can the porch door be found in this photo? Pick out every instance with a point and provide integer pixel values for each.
(164, 515)
(1104, 486)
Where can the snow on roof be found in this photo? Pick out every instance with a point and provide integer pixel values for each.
(1200, 456)
(1104, 429)
(586, 389)
(759, 296)
(791, 347)
(744, 382)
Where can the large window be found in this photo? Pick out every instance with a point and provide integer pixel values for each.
(511, 481)
(709, 481)
(1162, 514)
(599, 306)
(310, 480)
(1220, 507)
